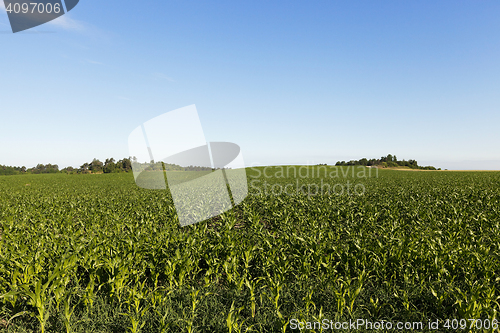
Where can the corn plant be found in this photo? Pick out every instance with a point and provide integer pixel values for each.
(97, 253)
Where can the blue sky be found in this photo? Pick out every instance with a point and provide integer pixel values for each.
(291, 82)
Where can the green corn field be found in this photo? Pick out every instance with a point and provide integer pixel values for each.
(96, 253)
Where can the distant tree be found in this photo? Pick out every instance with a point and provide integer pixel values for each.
(7, 170)
(109, 165)
(38, 169)
(384, 161)
(51, 168)
(84, 168)
(69, 169)
(96, 166)
(41, 168)
(125, 164)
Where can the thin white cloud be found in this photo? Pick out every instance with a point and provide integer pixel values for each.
(67, 23)
(163, 77)
(124, 98)
(94, 62)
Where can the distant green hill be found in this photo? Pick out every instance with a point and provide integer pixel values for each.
(96, 166)
(387, 162)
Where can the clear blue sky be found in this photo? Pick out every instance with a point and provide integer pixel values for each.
(291, 82)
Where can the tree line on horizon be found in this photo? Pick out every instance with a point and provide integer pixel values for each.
(386, 162)
(110, 165)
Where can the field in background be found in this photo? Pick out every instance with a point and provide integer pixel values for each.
(95, 253)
